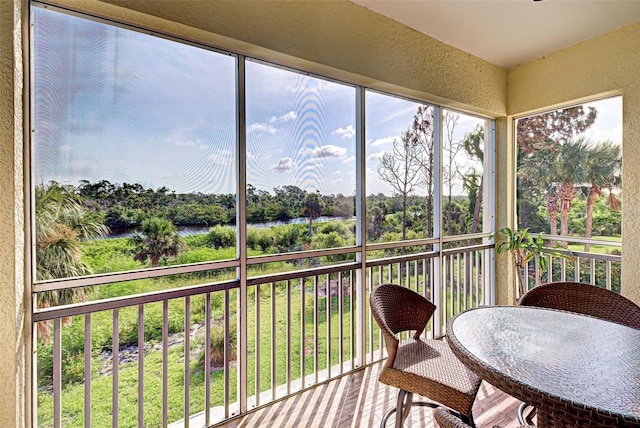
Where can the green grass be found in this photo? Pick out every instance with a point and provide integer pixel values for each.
(597, 248)
(101, 382)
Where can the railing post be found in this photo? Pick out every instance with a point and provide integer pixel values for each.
(439, 298)
(361, 229)
(241, 237)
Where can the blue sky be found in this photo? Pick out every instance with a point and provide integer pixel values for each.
(129, 107)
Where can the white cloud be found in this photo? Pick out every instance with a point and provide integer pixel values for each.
(284, 165)
(224, 154)
(268, 128)
(347, 132)
(329, 151)
(260, 128)
(65, 148)
(377, 156)
(185, 143)
(254, 156)
(383, 141)
(350, 160)
(408, 112)
(287, 117)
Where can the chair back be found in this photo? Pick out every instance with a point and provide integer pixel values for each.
(584, 299)
(398, 308)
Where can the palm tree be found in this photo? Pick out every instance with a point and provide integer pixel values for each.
(538, 170)
(312, 208)
(157, 239)
(570, 172)
(62, 221)
(558, 168)
(602, 172)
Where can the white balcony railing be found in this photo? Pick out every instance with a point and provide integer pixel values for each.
(300, 328)
(599, 267)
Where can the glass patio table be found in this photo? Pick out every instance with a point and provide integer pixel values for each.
(576, 370)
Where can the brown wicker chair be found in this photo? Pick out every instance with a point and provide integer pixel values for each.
(583, 299)
(425, 367)
(445, 419)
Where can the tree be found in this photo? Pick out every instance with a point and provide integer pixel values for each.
(62, 221)
(402, 168)
(287, 202)
(157, 239)
(603, 165)
(473, 143)
(423, 137)
(312, 208)
(538, 135)
(377, 211)
(470, 185)
(557, 125)
(570, 170)
(450, 168)
(536, 175)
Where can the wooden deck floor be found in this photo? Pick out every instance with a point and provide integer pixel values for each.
(359, 400)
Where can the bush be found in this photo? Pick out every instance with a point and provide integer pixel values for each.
(221, 237)
(260, 239)
(290, 237)
(337, 227)
(216, 354)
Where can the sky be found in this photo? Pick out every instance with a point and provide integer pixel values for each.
(113, 104)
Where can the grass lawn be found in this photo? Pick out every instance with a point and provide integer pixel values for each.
(598, 248)
(102, 377)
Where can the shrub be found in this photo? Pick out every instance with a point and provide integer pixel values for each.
(290, 237)
(335, 227)
(216, 354)
(221, 237)
(260, 239)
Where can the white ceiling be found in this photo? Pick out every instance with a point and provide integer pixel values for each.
(509, 32)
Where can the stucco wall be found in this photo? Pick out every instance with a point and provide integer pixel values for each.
(13, 352)
(603, 65)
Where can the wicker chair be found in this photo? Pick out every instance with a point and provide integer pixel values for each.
(445, 419)
(425, 367)
(584, 299)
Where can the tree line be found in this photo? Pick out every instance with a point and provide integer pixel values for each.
(127, 205)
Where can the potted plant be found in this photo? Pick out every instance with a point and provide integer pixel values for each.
(524, 248)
